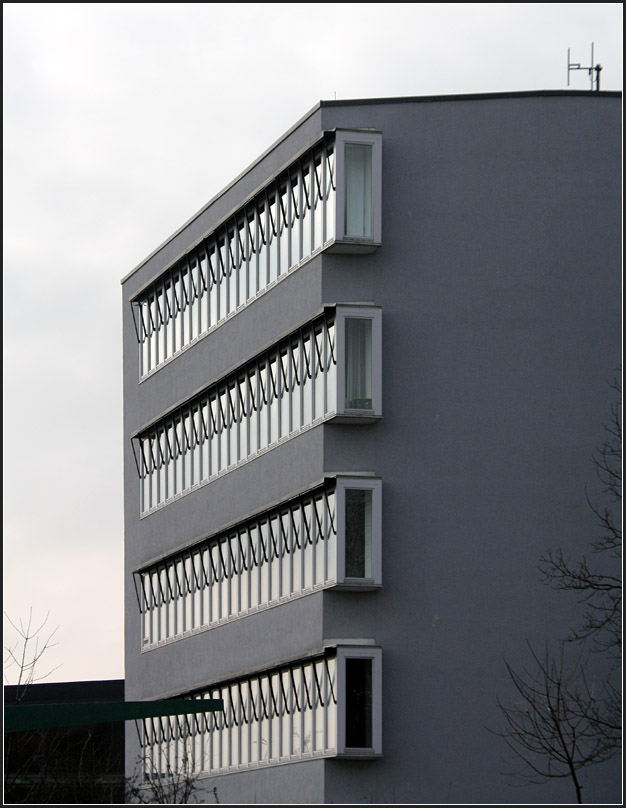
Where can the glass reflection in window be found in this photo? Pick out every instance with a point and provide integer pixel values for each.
(358, 162)
(358, 533)
(358, 364)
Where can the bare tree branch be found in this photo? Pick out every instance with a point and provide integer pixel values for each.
(551, 726)
(562, 721)
(176, 786)
(23, 657)
(598, 588)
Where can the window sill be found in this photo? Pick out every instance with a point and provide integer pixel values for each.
(353, 246)
(357, 584)
(356, 417)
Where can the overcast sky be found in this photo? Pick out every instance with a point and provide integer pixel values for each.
(121, 121)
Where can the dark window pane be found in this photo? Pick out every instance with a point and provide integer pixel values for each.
(358, 533)
(359, 703)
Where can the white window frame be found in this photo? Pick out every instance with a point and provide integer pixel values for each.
(374, 485)
(373, 313)
(353, 243)
(360, 652)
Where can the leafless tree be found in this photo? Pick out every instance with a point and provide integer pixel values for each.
(551, 725)
(564, 718)
(177, 785)
(23, 657)
(595, 583)
(59, 765)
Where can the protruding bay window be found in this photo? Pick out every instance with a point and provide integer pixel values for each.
(328, 705)
(359, 519)
(359, 701)
(359, 191)
(359, 346)
(328, 537)
(327, 199)
(329, 369)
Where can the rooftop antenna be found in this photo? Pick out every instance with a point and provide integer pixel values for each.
(591, 70)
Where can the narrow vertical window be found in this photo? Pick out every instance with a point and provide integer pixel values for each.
(329, 192)
(232, 271)
(214, 433)
(213, 285)
(160, 329)
(307, 379)
(284, 391)
(331, 533)
(316, 202)
(307, 190)
(283, 228)
(202, 291)
(272, 381)
(330, 367)
(222, 270)
(205, 472)
(318, 371)
(359, 731)
(171, 466)
(358, 159)
(223, 427)
(253, 407)
(358, 533)
(358, 364)
(272, 236)
(244, 414)
(285, 545)
(358, 703)
(294, 221)
(241, 262)
(262, 245)
(263, 405)
(358, 190)
(232, 420)
(194, 302)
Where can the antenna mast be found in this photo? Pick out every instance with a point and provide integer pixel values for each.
(591, 70)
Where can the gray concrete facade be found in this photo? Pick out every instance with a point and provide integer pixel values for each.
(499, 283)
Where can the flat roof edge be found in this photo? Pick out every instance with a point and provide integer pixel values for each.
(226, 188)
(426, 99)
(423, 99)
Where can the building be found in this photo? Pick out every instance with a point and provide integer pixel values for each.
(362, 387)
(65, 765)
